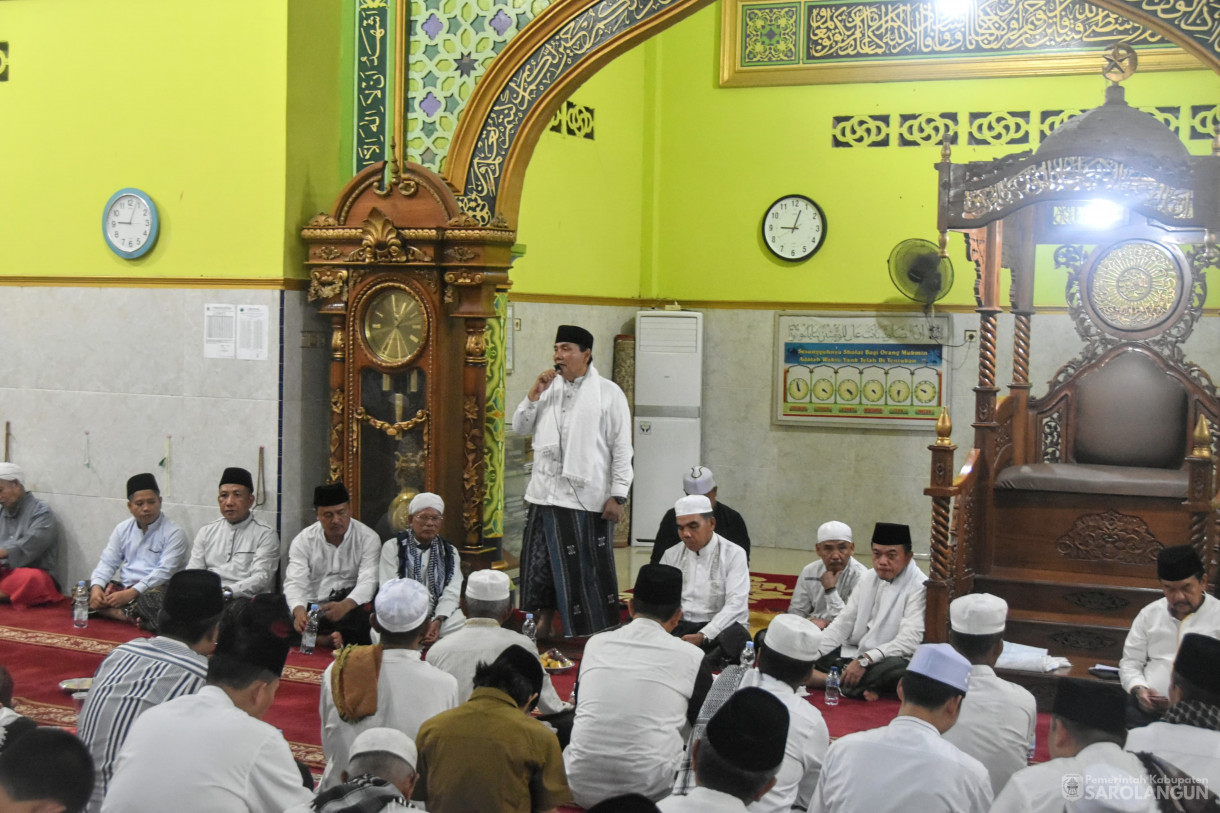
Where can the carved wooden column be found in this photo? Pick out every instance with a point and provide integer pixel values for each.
(1199, 465)
(984, 248)
(1019, 243)
(942, 576)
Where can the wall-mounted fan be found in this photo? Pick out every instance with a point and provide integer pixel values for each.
(919, 272)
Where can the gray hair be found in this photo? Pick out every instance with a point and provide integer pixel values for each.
(482, 608)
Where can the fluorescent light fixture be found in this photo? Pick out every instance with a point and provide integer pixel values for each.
(1101, 214)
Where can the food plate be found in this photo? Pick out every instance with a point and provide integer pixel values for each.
(76, 685)
(555, 662)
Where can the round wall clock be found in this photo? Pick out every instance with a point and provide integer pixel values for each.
(395, 325)
(794, 228)
(130, 224)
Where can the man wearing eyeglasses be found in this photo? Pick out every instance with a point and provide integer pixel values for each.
(422, 554)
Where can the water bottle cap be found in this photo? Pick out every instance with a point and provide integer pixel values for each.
(529, 616)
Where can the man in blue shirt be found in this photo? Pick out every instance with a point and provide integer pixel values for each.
(143, 552)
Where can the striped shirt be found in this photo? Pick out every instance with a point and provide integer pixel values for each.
(132, 679)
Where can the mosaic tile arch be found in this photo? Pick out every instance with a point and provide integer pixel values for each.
(1001, 128)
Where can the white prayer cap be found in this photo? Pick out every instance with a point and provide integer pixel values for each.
(796, 637)
(488, 585)
(402, 605)
(426, 500)
(11, 471)
(833, 530)
(978, 614)
(699, 480)
(692, 504)
(940, 662)
(384, 741)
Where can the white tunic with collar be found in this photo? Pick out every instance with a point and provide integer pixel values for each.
(1041, 788)
(316, 567)
(995, 725)
(245, 555)
(715, 584)
(702, 800)
(809, 597)
(201, 754)
(893, 621)
(409, 691)
(1196, 751)
(1152, 643)
(633, 693)
(804, 751)
(904, 766)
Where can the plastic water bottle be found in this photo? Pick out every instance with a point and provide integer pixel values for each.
(530, 630)
(309, 638)
(832, 687)
(747, 655)
(80, 605)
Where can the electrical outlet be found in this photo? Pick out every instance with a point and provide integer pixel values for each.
(517, 323)
(971, 336)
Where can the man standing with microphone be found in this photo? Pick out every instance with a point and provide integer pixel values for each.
(582, 471)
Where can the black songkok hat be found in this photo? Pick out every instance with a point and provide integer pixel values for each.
(193, 596)
(141, 482)
(258, 634)
(659, 584)
(1178, 563)
(1092, 704)
(524, 663)
(235, 476)
(891, 533)
(750, 730)
(627, 803)
(575, 335)
(1198, 661)
(330, 494)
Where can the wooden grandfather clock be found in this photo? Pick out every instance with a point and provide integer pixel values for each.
(408, 281)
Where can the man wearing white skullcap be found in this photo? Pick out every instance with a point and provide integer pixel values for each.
(996, 723)
(379, 776)
(486, 605)
(387, 685)
(908, 764)
(29, 543)
(824, 586)
(422, 554)
(785, 662)
(715, 583)
(729, 523)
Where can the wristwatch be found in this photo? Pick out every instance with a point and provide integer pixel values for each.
(865, 661)
(620, 500)
(227, 592)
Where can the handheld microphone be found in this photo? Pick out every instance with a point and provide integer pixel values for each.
(558, 368)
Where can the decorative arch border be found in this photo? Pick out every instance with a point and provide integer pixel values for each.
(573, 39)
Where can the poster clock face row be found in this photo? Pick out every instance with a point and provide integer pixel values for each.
(394, 325)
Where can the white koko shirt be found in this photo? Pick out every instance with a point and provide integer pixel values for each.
(316, 567)
(715, 584)
(995, 724)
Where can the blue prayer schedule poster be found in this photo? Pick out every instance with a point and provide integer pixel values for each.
(879, 370)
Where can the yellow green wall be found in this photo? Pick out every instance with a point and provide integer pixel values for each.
(190, 102)
(723, 155)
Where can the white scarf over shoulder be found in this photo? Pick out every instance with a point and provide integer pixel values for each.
(578, 453)
(890, 608)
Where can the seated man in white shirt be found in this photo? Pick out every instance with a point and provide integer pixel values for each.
(1152, 642)
(996, 723)
(824, 586)
(371, 687)
(333, 563)
(129, 581)
(715, 583)
(1087, 734)
(908, 765)
(379, 776)
(238, 547)
(421, 553)
(638, 689)
(883, 622)
(486, 605)
(738, 756)
(211, 751)
(785, 661)
(1188, 736)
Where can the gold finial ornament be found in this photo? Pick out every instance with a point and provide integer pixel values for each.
(1121, 63)
(946, 151)
(1202, 439)
(944, 428)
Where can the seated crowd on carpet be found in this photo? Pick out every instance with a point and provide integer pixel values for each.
(451, 711)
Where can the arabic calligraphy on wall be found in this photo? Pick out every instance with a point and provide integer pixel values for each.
(372, 87)
(820, 41)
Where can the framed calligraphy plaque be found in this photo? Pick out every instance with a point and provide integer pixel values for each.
(799, 42)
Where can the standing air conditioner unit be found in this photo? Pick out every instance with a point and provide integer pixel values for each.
(668, 413)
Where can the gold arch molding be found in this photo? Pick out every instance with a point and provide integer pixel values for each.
(572, 39)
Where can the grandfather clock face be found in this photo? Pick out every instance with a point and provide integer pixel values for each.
(395, 326)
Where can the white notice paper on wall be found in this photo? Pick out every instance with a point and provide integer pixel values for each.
(219, 331)
(252, 322)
